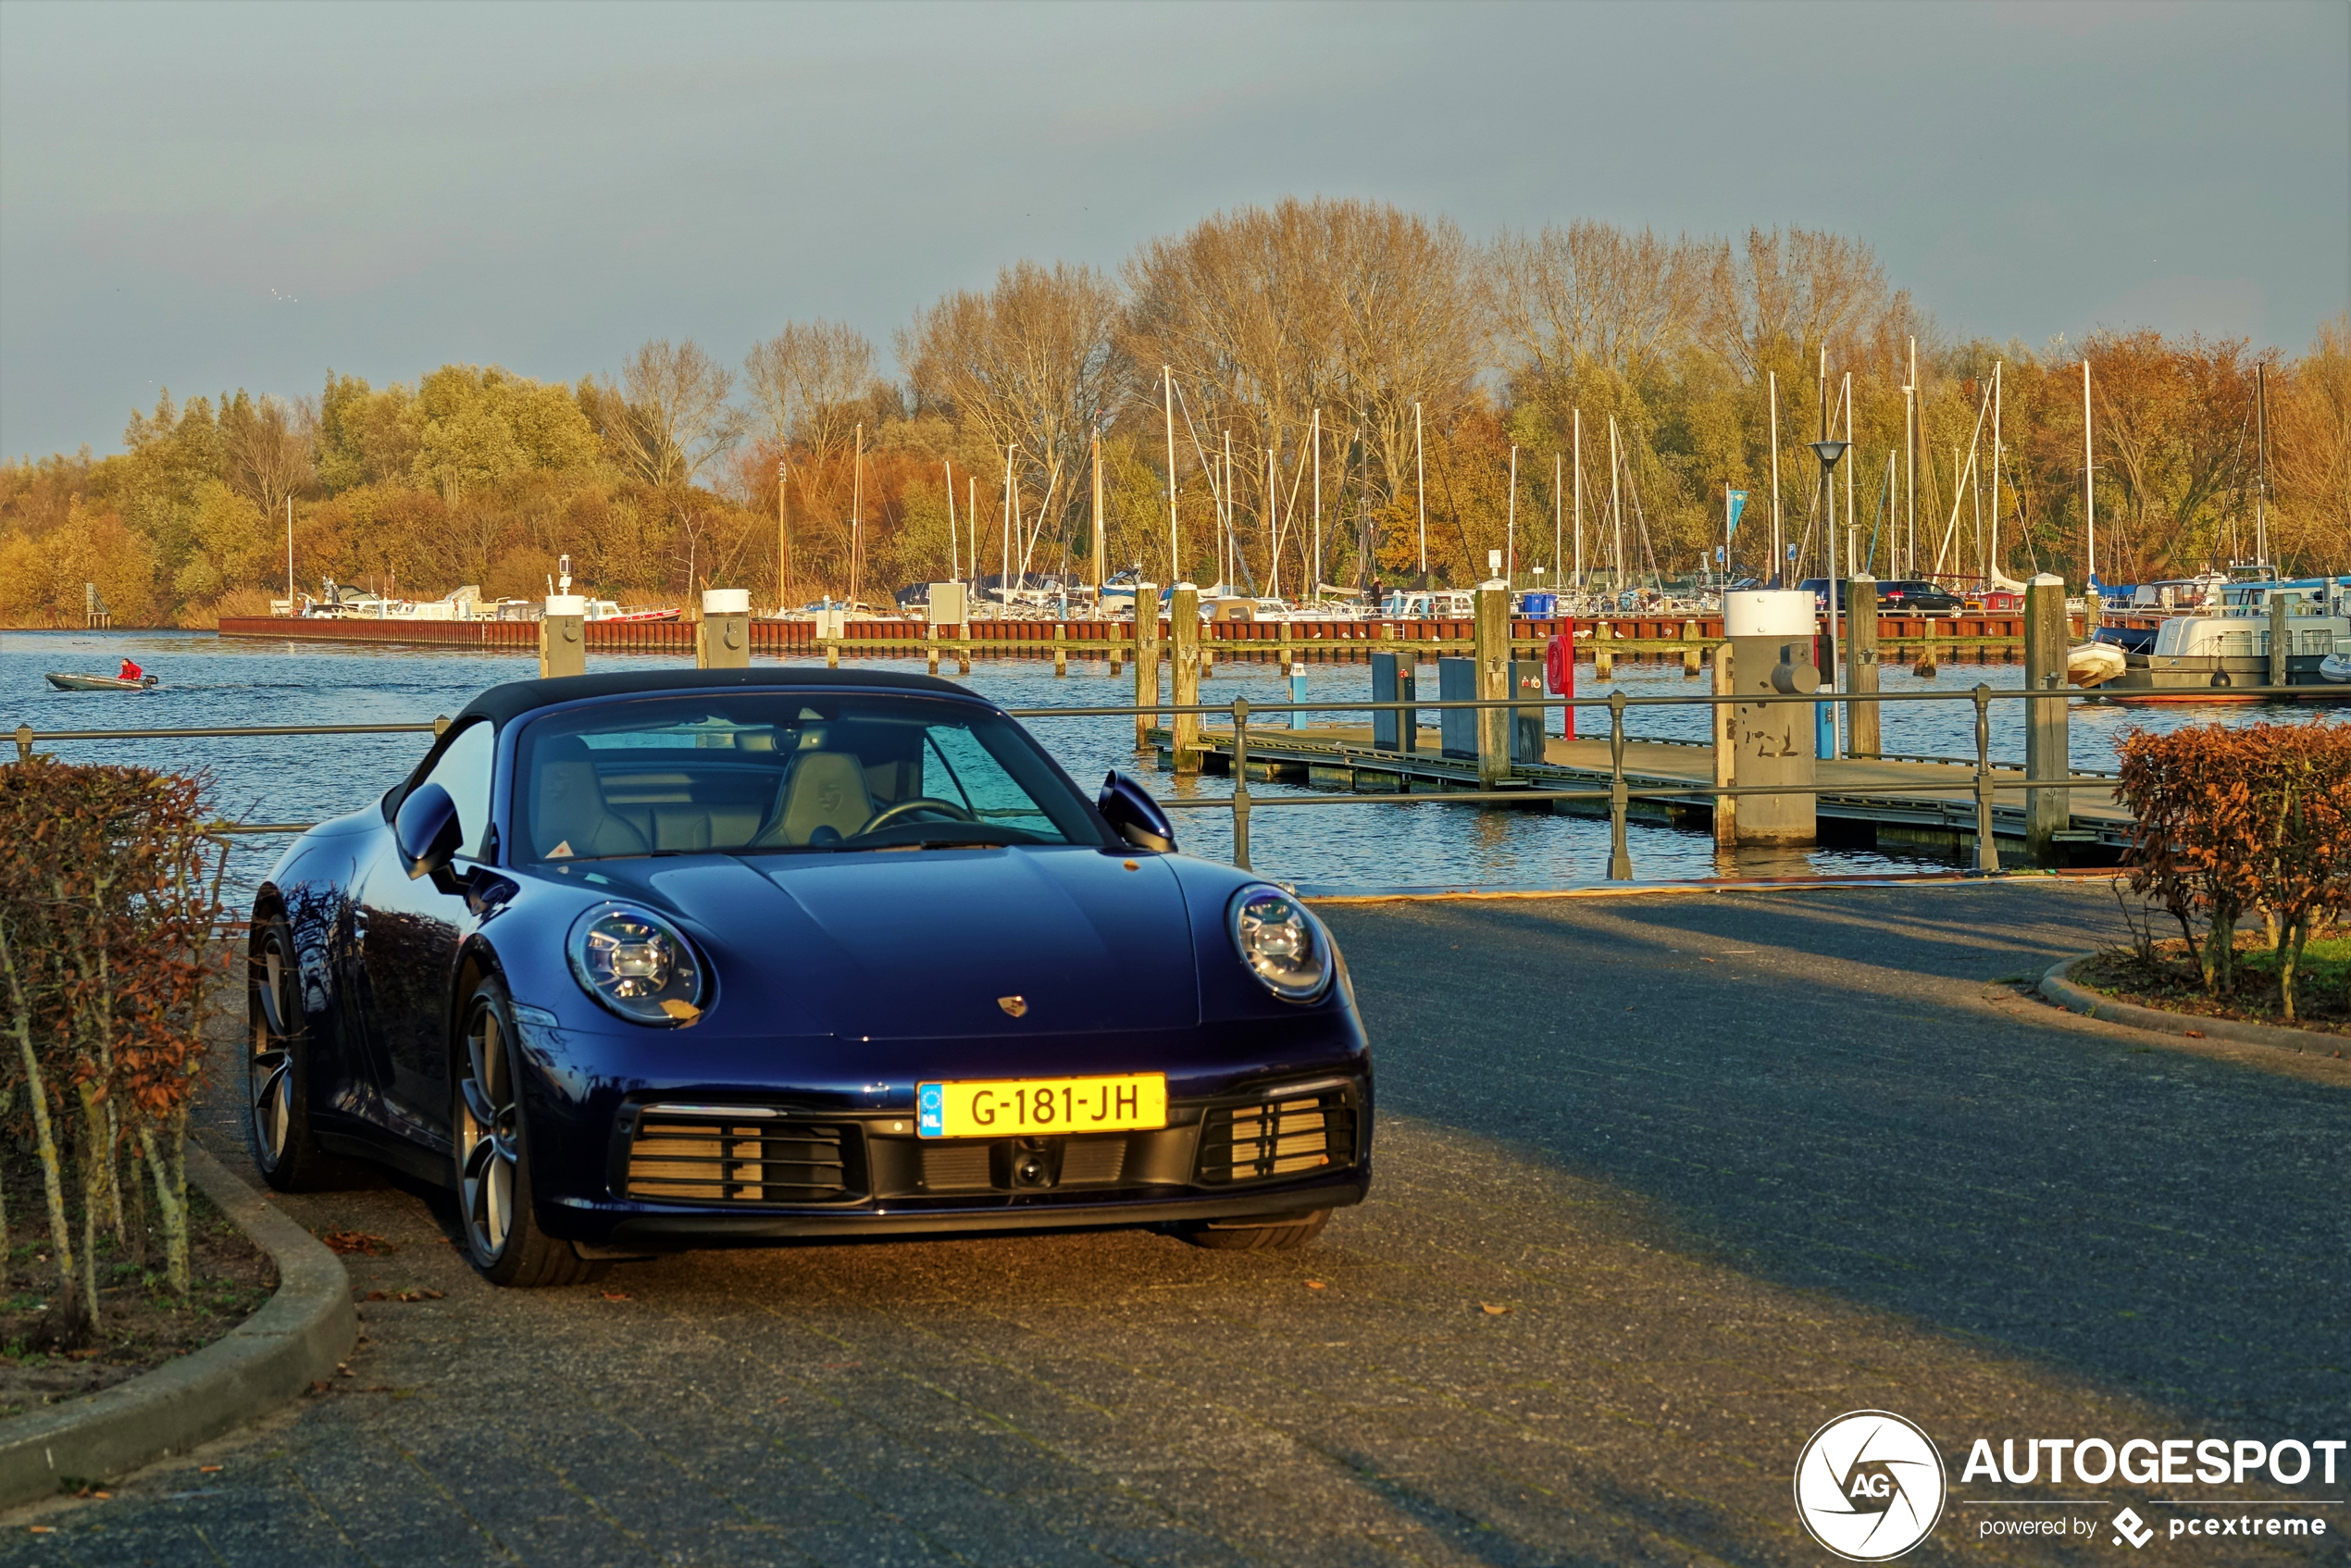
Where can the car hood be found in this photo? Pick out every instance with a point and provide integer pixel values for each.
(933, 943)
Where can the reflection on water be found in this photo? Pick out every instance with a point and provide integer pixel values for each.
(207, 681)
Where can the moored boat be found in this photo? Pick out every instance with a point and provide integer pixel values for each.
(2225, 658)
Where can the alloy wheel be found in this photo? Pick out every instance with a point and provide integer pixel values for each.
(486, 1141)
(269, 1070)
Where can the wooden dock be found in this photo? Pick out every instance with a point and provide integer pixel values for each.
(1889, 804)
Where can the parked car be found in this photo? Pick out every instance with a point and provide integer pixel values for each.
(681, 958)
(1901, 597)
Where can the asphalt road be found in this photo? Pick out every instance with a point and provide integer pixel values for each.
(1663, 1184)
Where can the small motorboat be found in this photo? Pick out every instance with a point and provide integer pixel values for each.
(2091, 664)
(2336, 666)
(101, 682)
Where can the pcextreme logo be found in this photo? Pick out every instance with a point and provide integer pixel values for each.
(1869, 1485)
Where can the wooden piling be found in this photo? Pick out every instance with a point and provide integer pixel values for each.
(1182, 625)
(1060, 648)
(1492, 637)
(1862, 738)
(1603, 659)
(2047, 812)
(1727, 807)
(1691, 649)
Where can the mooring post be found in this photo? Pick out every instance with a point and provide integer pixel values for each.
(1862, 738)
(1493, 654)
(722, 637)
(1146, 662)
(1620, 859)
(24, 743)
(1727, 807)
(1987, 854)
(1240, 782)
(563, 645)
(1689, 649)
(1283, 635)
(1060, 648)
(1603, 657)
(1182, 624)
(1925, 667)
(2046, 747)
(1770, 646)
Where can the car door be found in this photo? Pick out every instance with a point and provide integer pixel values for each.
(409, 952)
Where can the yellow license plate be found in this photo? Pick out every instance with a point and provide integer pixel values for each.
(1034, 1107)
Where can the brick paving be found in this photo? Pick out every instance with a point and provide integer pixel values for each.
(1663, 1184)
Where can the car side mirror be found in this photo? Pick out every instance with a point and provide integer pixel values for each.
(428, 831)
(1137, 818)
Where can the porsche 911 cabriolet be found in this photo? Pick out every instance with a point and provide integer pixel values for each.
(696, 958)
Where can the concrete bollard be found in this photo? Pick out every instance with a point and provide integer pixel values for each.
(1690, 650)
(722, 637)
(2047, 812)
(562, 638)
(1603, 657)
(1860, 665)
(1771, 635)
(1182, 624)
(1492, 650)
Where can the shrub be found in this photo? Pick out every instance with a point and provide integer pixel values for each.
(109, 893)
(2231, 821)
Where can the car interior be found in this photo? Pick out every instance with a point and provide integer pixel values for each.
(689, 782)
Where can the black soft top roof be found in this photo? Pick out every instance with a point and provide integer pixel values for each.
(501, 704)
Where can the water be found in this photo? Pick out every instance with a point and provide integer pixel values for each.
(210, 682)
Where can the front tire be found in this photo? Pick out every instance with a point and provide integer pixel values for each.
(502, 1236)
(1244, 1236)
(278, 1130)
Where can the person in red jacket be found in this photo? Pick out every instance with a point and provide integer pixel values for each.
(128, 671)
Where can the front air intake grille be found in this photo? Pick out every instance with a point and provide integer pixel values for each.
(701, 1159)
(1291, 1135)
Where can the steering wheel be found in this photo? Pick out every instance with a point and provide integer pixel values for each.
(891, 814)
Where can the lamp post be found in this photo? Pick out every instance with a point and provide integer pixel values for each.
(1829, 452)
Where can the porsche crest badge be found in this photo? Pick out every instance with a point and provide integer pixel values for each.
(1015, 1006)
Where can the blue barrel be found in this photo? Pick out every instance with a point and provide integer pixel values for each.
(1538, 606)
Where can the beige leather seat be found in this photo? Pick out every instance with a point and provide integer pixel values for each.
(568, 816)
(822, 790)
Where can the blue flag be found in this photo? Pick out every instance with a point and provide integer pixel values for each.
(1738, 504)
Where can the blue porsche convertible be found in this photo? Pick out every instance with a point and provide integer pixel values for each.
(694, 958)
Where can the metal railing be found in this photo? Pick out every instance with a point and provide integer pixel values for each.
(1983, 785)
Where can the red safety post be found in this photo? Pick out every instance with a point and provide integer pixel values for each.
(1560, 660)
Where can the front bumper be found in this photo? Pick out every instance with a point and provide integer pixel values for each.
(724, 1170)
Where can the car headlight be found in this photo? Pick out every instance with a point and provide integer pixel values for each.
(637, 966)
(1281, 943)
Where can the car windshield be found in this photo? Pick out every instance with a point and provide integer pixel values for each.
(786, 773)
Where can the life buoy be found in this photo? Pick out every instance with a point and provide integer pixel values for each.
(1559, 662)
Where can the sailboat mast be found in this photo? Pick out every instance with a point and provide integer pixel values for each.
(2261, 446)
(1579, 501)
(1909, 462)
(1774, 576)
(1314, 589)
(1167, 393)
(2089, 482)
(1617, 500)
(1992, 567)
(1420, 486)
(954, 541)
(1510, 528)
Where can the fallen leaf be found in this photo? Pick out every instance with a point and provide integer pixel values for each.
(616, 1295)
(207, 1470)
(1494, 1309)
(415, 1295)
(355, 1242)
(320, 1386)
(1316, 1285)
(2195, 1034)
(89, 1355)
(45, 1530)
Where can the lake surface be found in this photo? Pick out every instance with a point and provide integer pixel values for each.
(210, 681)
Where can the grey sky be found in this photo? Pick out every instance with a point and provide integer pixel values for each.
(215, 196)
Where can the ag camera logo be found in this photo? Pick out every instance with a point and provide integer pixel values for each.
(1870, 1485)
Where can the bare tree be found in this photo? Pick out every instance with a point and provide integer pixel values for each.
(1592, 293)
(1790, 293)
(677, 417)
(1032, 364)
(1353, 307)
(805, 382)
(271, 445)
